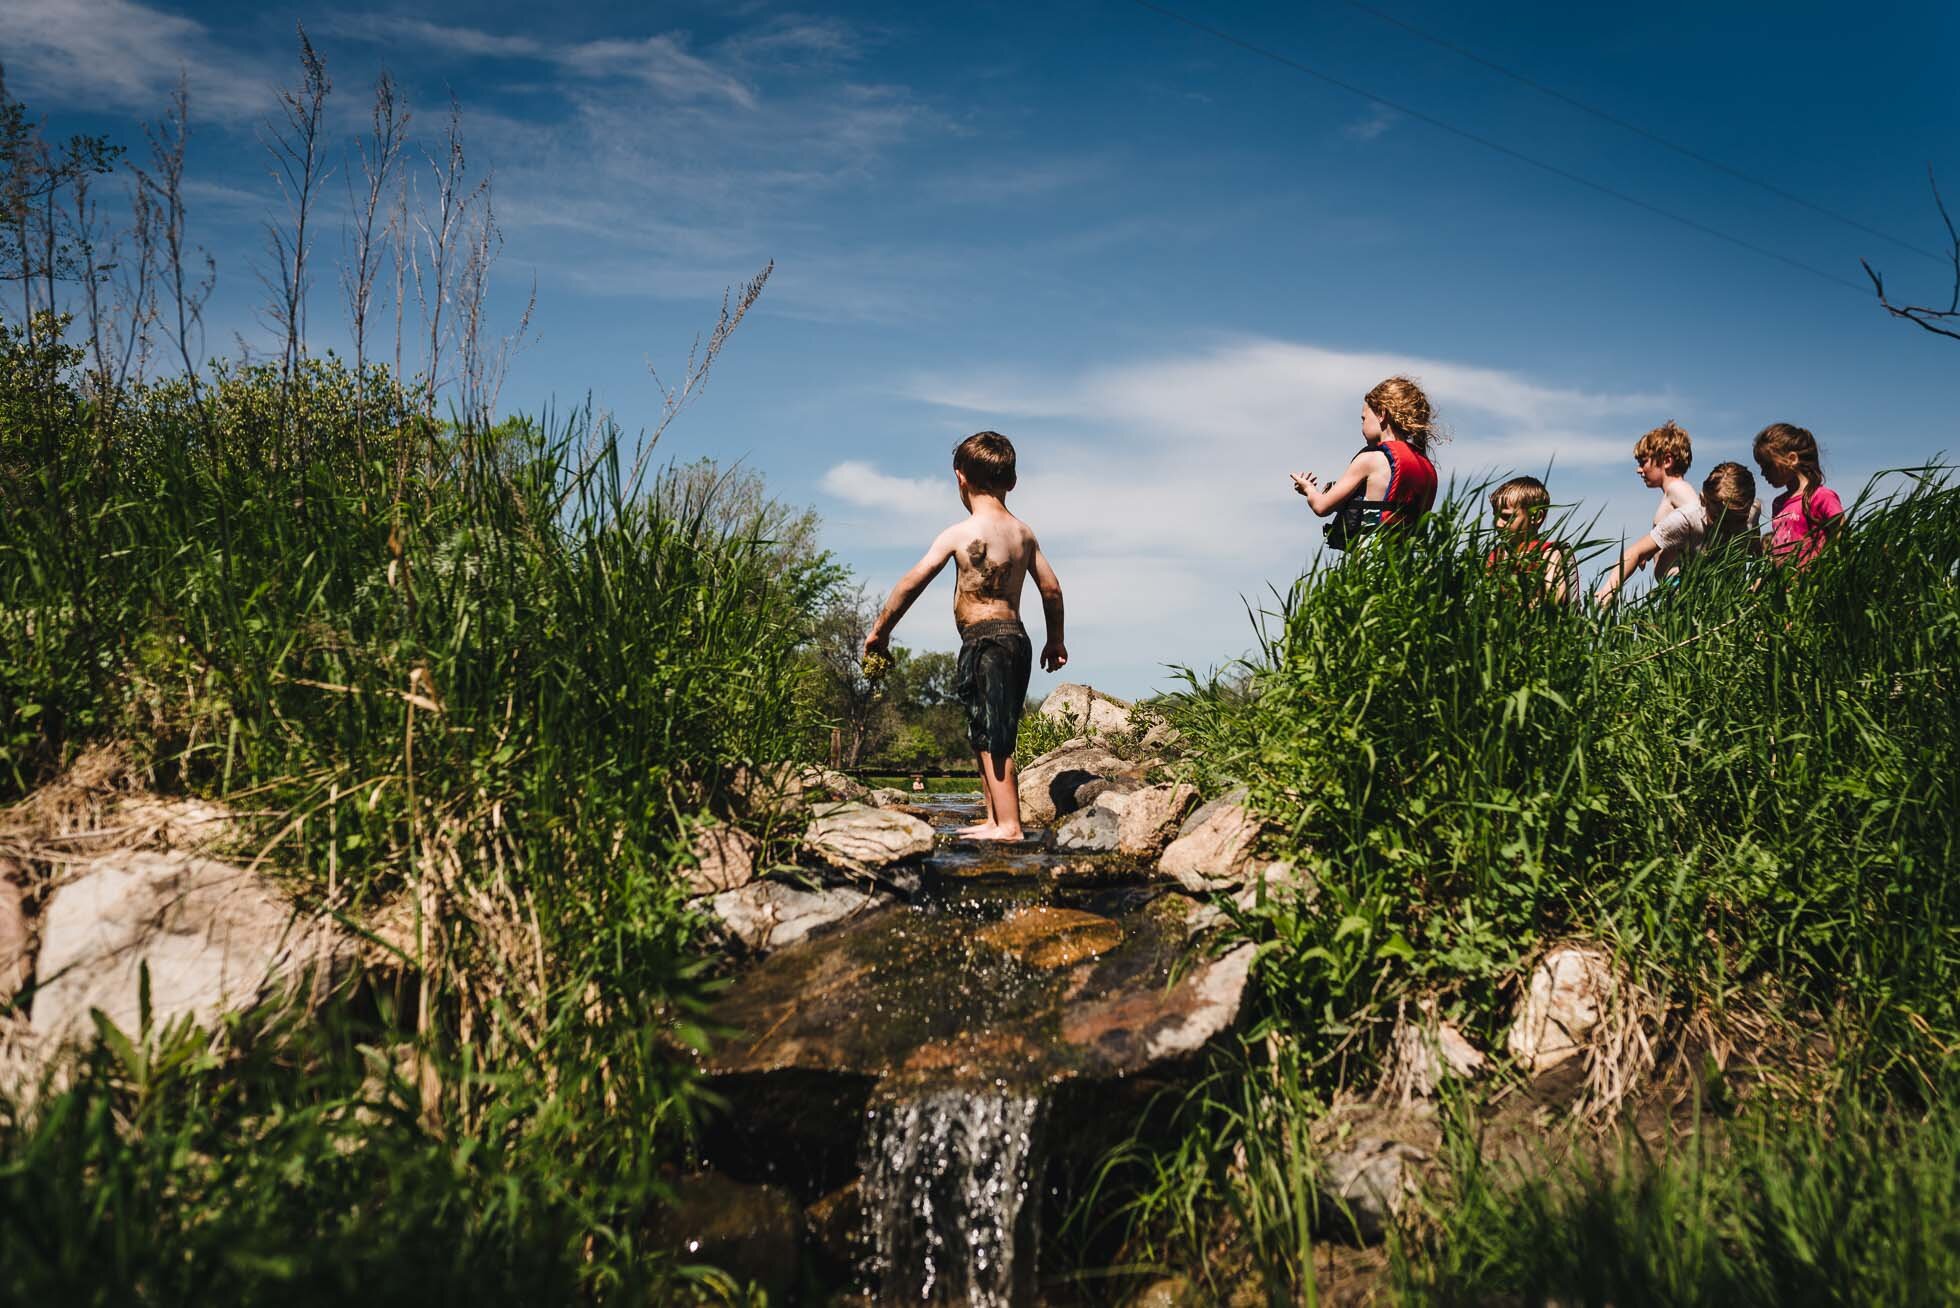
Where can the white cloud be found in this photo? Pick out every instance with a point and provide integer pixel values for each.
(861, 485)
(129, 55)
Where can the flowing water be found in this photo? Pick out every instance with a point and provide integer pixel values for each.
(999, 975)
(948, 1175)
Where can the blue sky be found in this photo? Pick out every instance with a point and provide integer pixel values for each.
(1166, 267)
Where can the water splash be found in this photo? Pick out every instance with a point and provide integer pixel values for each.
(947, 1176)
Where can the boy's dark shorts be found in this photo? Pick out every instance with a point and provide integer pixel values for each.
(996, 659)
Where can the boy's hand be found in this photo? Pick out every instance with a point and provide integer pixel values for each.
(878, 642)
(1053, 655)
(1304, 482)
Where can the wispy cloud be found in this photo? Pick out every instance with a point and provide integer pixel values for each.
(1373, 126)
(127, 55)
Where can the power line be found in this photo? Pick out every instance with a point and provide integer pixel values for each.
(1624, 125)
(1500, 148)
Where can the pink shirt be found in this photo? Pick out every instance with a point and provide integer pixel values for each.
(1795, 535)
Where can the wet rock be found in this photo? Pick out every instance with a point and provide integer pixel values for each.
(1152, 816)
(1371, 1162)
(1564, 999)
(903, 991)
(1132, 1031)
(770, 914)
(1092, 712)
(1047, 937)
(857, 838)
(1213, 849)
(724, 859)
(1049, 785)
(888, 797)
(752, 1232)
(215, 938)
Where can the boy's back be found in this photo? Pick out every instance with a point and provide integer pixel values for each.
(994, 550)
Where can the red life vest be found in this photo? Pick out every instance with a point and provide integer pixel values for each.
(1411, 493)
(1411, 483)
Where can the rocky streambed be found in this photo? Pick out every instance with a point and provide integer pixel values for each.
(910, 1072)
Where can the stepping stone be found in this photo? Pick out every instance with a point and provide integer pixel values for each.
(1052, 938)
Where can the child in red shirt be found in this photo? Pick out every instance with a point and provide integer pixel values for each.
(1518, 509)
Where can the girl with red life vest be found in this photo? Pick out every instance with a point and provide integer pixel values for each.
(1391, 482)
(1518, 509)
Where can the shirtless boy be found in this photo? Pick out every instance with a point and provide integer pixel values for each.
(996, 552)
(1662, 457)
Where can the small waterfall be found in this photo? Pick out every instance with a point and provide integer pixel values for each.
(947, 1179)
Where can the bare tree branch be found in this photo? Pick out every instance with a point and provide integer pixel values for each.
(1940, 322)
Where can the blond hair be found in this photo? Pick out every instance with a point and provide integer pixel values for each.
(1667, 445)
(1404, 407)
(1527, 493)
(1728, 495)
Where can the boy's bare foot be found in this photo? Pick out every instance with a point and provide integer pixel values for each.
(977, 829)
(1001, 833)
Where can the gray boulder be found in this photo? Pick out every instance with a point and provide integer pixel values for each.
(859, 838)
(1152, 816)
(215, 938)
(768, 914)
(1213, 849)
(1049, 785)
(1095, 829)
(1092, 712)
(1564, 999)
(1371, 1163)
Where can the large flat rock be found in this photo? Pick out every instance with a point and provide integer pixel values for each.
(214, 937)
(859, 838)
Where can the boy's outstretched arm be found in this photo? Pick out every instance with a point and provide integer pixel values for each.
(907, 590)
(1633, 560)
(1054, 654)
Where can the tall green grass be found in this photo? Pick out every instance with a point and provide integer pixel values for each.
(1745, 781)
(485, 679)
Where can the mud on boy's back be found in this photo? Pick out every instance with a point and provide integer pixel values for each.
(995, 552)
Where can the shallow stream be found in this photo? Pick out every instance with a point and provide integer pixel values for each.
(908, 1059)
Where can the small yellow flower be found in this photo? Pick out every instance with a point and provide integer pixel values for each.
(876, 665)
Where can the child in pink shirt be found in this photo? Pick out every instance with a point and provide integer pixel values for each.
(1808, 513)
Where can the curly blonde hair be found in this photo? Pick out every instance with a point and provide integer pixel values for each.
(1667, 445)
(1404, 407)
